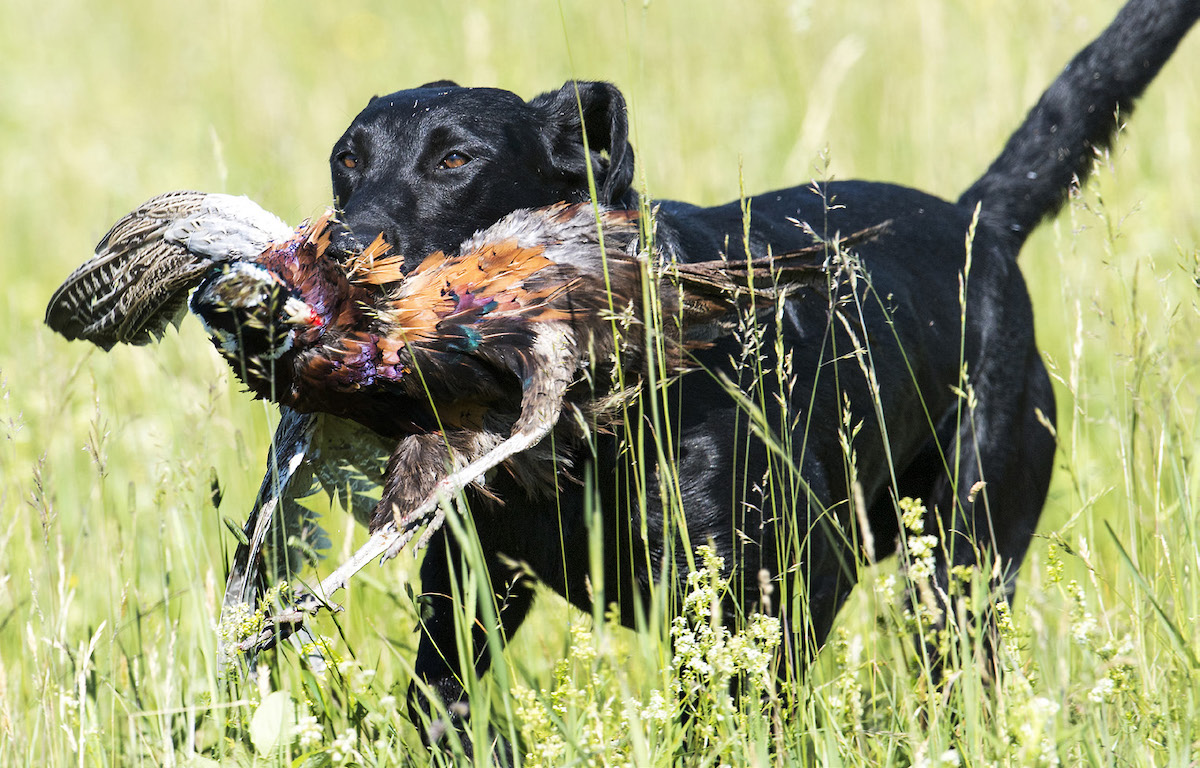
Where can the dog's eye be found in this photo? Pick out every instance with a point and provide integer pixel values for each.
(348, 159)
(454, 160)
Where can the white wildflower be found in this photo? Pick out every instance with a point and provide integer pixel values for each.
(920, 550)
(309, 732)
(1083, 628)
(356, 679)
(1042, 708)
(885, 588)
(582, 647)
(912, 515)
(657, 710)
(1102, 691)
(342, 750)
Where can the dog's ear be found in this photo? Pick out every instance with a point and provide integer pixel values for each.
(602, 109)
(441, 84)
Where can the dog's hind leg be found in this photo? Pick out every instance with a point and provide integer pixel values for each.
(984, 511)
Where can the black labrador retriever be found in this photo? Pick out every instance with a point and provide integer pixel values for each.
(894, 391)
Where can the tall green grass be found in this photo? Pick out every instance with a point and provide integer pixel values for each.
(112, 540)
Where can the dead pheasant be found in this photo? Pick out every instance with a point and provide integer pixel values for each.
(466, 363)
(137, 283)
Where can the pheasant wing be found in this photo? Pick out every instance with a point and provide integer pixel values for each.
(288, 477)
(138, 279)
(308, 451)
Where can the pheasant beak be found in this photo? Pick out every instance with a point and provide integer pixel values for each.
(298, 312)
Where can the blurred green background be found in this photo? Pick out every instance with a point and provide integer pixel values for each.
(107, 460)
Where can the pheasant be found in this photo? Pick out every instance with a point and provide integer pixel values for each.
(462, 365)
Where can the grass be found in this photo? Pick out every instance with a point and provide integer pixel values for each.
(112, 547)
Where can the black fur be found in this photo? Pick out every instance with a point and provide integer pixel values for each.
(901, 316)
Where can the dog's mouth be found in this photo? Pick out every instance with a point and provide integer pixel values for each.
(346, 243)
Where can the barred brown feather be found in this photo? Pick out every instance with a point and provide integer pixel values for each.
(138, 279)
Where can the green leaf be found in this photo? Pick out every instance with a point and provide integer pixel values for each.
(271, 726)
(318, 701)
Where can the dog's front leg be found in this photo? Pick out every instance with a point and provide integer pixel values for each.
(445, 624)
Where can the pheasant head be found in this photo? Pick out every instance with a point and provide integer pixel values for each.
(263, 313)
(253, 317)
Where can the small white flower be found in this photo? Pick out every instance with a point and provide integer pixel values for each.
(309, 732)
(1049, 753)
(1043, 708)
(912, 515)
(1083, 629)
(885, 588)
(582, 647)
(342, 750)
(657, 709)
(1102, 691)
(920, 550)
(921, 546)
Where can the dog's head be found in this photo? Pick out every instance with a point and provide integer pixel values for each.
(429, 167)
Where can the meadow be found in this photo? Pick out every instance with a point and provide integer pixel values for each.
(120, 472)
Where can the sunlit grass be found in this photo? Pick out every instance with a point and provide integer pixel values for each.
(111, 546)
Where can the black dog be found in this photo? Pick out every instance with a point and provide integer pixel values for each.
(953, 411)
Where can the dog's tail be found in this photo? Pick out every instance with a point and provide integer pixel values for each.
(1078, 113)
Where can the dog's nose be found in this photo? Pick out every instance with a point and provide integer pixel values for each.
(344, 243)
